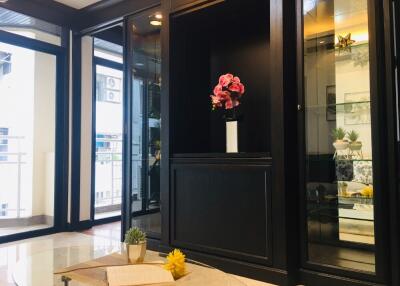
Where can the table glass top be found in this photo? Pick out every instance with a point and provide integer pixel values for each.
(37, 270)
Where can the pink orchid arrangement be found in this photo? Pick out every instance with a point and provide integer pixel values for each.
(227, 92)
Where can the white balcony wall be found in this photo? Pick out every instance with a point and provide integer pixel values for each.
(44, 135)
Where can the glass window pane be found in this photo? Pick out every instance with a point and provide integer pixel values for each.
(27, 139)
(340, 201)
(146, 119)
(30, 27)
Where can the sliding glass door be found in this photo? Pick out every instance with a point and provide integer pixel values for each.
(108, 163)
(31, 133)
(108, 129)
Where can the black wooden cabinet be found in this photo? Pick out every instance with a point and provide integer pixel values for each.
(222, 207)
(252, 212)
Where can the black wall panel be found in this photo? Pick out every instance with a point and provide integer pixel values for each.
(222, 209)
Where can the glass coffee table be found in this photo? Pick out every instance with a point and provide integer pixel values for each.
(38, 269)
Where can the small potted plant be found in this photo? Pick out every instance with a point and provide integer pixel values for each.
(135, 241)
(354, 145)
(340, 143)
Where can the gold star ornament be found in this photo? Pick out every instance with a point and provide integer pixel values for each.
(345, 43)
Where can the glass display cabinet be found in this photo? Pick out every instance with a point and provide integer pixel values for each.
(339, 177)
(145, 93)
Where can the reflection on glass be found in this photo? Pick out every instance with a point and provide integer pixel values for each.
(109, 123)
(27, 139)
(108, 50)
(30, 27)
(340, 205)
(146, 121)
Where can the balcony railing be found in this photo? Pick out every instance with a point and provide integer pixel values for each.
(108, 198)
(16, 158)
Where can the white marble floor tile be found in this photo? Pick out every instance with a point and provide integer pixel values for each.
(10, 253)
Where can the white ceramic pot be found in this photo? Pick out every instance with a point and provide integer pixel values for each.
(340, 145)
(136, 252)
(355, 146)
(232, 137)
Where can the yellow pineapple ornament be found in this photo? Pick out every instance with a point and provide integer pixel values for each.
(176, 264)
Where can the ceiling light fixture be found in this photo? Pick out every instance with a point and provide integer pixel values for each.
(155, 23)
(155, 19)
(3, 1)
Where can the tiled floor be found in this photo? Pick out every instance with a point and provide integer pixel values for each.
(108, 231)
(10, 253)
(99, 236)
(19, 229)
(149, 223)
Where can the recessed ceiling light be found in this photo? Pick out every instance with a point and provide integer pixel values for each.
(139, 64)
(3, 1)
(155, 19)
(155, 23)
(322, 42)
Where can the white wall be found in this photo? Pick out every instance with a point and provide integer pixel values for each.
(86, 128)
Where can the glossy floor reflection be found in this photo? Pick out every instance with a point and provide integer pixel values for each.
(10, 253)
(149, 223)
(351, 258)
(19, 229)
(108, 231)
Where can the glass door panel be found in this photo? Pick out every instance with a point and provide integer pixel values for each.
(27, 139)
(146, 119)
(109, 124)
(339, 175)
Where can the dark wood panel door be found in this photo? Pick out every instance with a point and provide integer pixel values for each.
(222, 209)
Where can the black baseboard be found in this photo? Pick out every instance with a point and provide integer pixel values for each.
(82, 225)
(26, 235)
(107, 220)
(312, 278)
(250, 270)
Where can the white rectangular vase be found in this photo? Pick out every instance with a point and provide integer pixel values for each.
(231, 137)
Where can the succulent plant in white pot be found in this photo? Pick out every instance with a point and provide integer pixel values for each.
(354, 145)
(136, 245)
(340, 143)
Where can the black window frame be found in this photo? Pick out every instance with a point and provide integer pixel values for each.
(62, 127)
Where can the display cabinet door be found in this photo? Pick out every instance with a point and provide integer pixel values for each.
(144, 92)
(340, 190)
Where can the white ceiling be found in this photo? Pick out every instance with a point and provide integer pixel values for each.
(77, 4)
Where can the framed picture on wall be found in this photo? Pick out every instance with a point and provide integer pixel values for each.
(331, 103)
(357, 108)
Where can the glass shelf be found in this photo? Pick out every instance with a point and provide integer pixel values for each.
(354, 160)
(340, 107)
